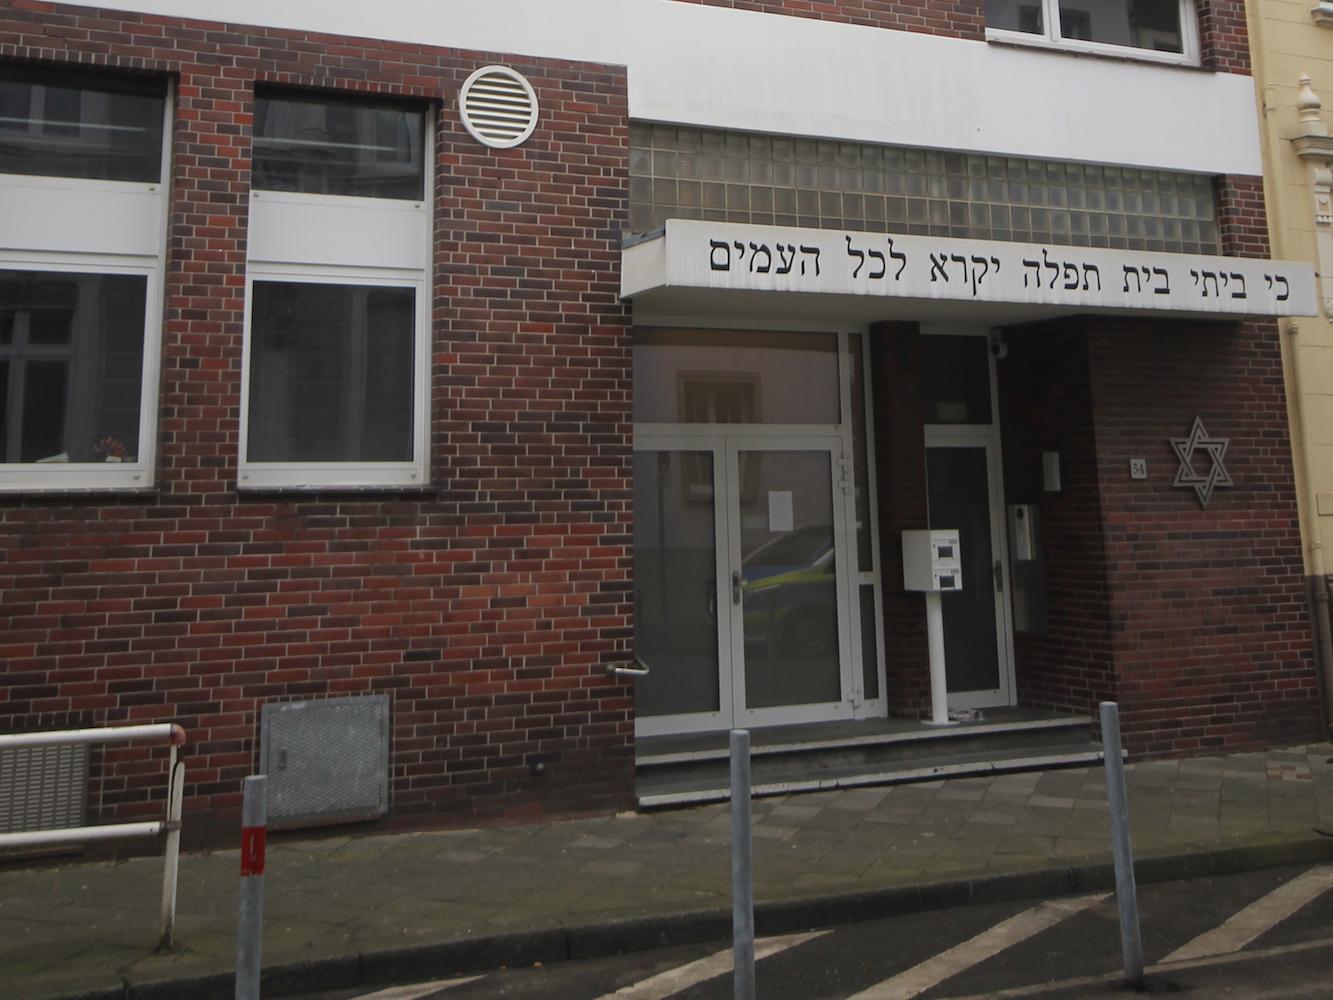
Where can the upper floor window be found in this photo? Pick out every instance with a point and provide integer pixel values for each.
(332, 372)
(58, 123)
(1159, 29)
(316, 144)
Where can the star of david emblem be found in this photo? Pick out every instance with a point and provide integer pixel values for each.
(1216, 449)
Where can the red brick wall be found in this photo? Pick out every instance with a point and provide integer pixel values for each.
(1193, 619)
(1223, 36)
(900, 458)
(1208, 614)
(1242, 219)
(486, 604)
(1046, 405)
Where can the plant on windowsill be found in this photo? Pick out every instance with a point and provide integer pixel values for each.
(111, 449)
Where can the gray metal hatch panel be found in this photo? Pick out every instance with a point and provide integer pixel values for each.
(326, 760)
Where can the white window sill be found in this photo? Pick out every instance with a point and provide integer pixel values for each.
(80, 477)
(318, 477)
(1080, 48)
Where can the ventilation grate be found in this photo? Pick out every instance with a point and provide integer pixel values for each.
(43, 788)
(499, 107)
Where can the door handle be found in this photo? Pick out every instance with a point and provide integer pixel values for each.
(735, 586)
(999, 577)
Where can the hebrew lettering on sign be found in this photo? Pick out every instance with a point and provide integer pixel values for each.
(879, 265)
(974, 269)
(1149, 276)
(898, 257)
(755, 251)
(970, 269)
(860, 257)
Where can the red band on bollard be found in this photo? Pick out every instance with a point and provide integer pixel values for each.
(252, 850)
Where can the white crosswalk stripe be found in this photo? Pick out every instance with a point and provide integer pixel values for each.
(417, 990)
(1245, 925)
(988, 943)
(672, 981)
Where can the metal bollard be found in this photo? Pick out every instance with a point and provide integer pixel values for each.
(171, 854)
(250, 917)
(1125, 892)
(742, 868)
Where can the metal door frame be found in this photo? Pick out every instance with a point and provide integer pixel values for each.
(844, 707)
(986, 437)
(725, 449)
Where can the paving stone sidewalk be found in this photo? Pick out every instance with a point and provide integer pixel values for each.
(362, 907)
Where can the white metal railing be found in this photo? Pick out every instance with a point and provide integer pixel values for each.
(171, 826)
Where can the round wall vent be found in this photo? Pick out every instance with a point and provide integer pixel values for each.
(498, 106)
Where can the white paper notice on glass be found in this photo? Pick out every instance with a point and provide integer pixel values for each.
(780, 514)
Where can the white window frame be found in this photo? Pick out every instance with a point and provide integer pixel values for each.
(1051, 38)
(343, 475)
(76, 238)
(313, 239)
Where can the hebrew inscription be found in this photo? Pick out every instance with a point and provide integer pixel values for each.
(770, 258)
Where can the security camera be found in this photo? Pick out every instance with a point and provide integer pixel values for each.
(999, 350)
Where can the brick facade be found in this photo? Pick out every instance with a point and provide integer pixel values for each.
(1242, 219)
(1067, 665)
(900, 454)
(1193, 619)
(487, 604)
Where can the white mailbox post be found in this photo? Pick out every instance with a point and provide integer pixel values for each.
(932, 564)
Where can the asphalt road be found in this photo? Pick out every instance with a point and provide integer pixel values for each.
(1266, 934)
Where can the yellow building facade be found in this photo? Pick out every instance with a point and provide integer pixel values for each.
(1292, 46)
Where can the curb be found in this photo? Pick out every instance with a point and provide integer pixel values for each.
(435, 961)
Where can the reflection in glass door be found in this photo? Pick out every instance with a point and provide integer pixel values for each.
(675, 587)
(785, 583)
(740, 596)
(962, 494)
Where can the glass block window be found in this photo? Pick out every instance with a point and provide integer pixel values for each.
(691, 173)
(71, 366)
(63, 123)
(317, 144)
(331, 373)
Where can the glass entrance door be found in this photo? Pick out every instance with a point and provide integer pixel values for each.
(963, 492)
(740, 582)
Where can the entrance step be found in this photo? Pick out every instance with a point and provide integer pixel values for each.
(677, 771)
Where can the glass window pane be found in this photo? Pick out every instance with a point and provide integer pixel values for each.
(51, 312)
(1015, 15)
(67, 125)
(675, 583)
(331, 373)
(955, 380)
(320, 145)
(73, 353)
(789, 581)
(735, 377)
(44, 395)
(1143, 24)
